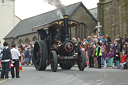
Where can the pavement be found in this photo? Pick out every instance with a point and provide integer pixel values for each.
(90, 76)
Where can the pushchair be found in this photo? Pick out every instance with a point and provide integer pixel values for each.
(125, 66)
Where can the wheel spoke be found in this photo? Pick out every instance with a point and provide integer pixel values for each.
(37, 57)
(37, 60)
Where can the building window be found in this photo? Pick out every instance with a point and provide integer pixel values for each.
(2, 1)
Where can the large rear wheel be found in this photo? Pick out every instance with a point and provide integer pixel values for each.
(40, 55)
(54, 61)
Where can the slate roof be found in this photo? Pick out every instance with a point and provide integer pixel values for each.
(25, 26)
(94, 12)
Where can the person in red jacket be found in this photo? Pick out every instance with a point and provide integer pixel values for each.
(124, 59)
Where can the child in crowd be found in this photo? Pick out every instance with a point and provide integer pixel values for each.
(94, 56)
(104, 54)
(102, 47)
(86, 57)
(112, 44)
(22, 57)
(111, 56)
(90, 51)
(107, 50)
(124, 59)
(117, 59)
(124, 48)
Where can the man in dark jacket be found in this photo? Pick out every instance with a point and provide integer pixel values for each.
(108, 39)
(120, 43)
(5, 60)
(117, 59)
(116, 47)
(125, 38)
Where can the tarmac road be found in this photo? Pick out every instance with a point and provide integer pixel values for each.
(90, 76)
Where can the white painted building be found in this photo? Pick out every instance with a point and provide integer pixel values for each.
(7, 18)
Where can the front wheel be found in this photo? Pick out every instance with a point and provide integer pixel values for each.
(54, 61)
(81, 60)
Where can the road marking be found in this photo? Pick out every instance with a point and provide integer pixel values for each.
(104, 76)
(98, 80)
(2, 81)
(100, 83)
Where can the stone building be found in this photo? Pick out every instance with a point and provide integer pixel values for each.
(7, 18)
(23, 33)
(110, 15)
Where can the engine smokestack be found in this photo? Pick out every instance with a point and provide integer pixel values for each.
(66, 27)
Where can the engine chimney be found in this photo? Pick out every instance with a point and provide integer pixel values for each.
(66, 27)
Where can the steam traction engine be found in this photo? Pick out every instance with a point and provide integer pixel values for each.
(55, 46)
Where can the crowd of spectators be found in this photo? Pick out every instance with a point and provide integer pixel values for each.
(113, 52)
(26, 51)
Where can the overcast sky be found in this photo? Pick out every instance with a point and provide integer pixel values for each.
(28, 8)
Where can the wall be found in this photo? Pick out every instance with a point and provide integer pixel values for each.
(110, 13)
(17, 20)
(23, 38)
(83, 17)
(7, 18)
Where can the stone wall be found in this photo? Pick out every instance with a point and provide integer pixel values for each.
(110, 13)
(23, 39)
(85, 19)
